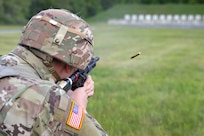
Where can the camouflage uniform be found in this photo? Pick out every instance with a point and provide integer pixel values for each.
(32, 104)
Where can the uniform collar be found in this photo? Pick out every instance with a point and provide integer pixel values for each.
(34, 62)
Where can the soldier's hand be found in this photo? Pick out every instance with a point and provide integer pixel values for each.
(81, 94)
(89, 86)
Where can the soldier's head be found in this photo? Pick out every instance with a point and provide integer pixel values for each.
(60, 34)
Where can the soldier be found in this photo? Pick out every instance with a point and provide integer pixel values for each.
(54, 44)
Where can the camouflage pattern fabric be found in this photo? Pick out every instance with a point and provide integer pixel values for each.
(62, 35)
(32, 104)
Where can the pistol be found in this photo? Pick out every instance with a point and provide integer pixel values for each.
(79, 77)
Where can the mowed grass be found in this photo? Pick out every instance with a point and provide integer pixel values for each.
(9, 37)
(159, 93)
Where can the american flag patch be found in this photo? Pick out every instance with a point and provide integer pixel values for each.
(76, 116)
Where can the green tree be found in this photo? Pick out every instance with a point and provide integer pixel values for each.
(38, 5)
(106, 4)
(93, 7)
(78, 7)
(13, 11)
(19, 11)
(1, 11)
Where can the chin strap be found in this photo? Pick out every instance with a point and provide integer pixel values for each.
(47, 60)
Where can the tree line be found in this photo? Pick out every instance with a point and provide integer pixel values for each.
(19, 11)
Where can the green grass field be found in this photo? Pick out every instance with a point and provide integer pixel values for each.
(159, 93)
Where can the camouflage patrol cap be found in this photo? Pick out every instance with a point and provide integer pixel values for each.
(60, 34)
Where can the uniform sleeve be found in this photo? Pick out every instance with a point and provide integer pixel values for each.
(92, 127)
(60, 115)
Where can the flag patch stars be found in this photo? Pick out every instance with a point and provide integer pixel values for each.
(76, 116)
